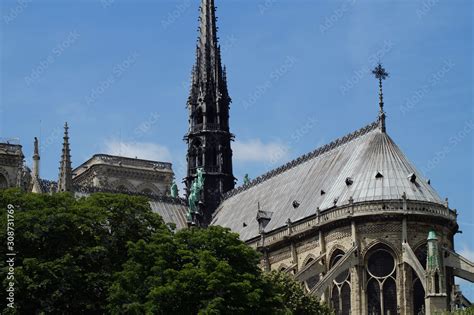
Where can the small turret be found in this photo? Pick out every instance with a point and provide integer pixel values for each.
(436, 297)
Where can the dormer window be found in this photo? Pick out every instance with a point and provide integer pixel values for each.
(349, 181)
(412, 178)
(378, 175)
(323, 192)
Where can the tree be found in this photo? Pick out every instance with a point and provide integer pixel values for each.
(68, 249)
(296, 300)
(110, 253)
(198, 271)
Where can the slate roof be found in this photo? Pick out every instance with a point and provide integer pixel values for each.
(365, 165)
(171, 212)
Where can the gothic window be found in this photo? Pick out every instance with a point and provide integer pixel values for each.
(418, 297)
(211, 116)
(341, 287)
(196, 154)
(381, 282)
(3, 182)
(212, 156)
(313, 280)
(198, 116)
(418, 290)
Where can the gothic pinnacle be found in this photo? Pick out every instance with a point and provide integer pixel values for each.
(65, 169)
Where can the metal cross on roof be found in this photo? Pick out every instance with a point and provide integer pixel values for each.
(381, 74)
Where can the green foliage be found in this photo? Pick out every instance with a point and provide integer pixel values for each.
(198, 271)
(111, 254)
(68, 249)
(467, 311)
(296, 300)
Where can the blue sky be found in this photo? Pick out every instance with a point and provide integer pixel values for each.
(298, 73)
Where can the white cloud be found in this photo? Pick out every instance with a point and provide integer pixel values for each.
(141, 150)
(467, 252)
(254, 150)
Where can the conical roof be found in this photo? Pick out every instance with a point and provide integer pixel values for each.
(365, 165)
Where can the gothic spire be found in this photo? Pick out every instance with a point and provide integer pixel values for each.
(65, 170)
(209, 137)
(207, 74)
(381, 75)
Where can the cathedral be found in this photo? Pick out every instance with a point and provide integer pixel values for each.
(353, 220)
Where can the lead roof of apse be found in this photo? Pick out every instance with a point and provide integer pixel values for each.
(366, 165)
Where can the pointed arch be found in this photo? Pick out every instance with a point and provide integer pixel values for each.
(4, 182)
(340, 294)
(123, 185)
(380, 263)
(148, 188)
(198, 116)
(418, 290)
(313, 279)
(308, 259)
(395, 251)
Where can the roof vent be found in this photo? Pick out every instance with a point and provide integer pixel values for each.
(335, 201)
(296, 204)
(428, 181)
(412, 177)
(349, 181)
(323, 192)
(378, 175)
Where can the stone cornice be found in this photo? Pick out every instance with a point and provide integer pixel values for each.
(356, 211)
(123, 172)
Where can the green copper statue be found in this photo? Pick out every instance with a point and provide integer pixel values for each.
(246, 179)
(195, 193)
(174, 190)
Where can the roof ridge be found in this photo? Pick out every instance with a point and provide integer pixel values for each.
(303, 158)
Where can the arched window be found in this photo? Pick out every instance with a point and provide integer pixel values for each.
(211, 115)
(198, 116)
(3, 182)
(381, 281)
(341, 287)
(212, 156)
(313, 280)
(196, 154)
(418, 290)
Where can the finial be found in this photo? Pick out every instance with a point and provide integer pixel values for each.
(381, 74)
